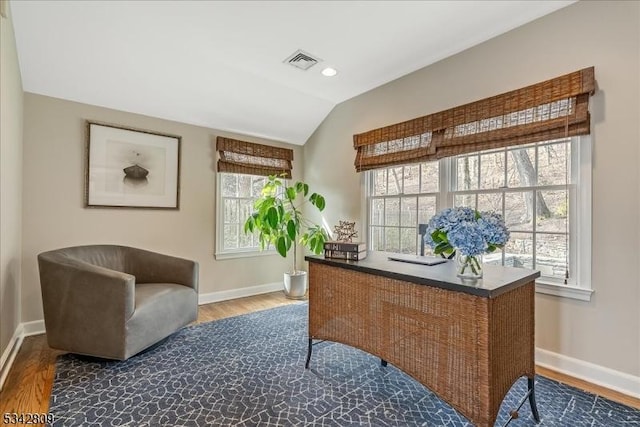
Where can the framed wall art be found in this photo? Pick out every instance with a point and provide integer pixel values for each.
(131, 168)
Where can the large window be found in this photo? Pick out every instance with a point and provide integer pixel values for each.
(236, 196)
(542, 190)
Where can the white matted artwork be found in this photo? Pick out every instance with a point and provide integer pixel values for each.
(131, 168)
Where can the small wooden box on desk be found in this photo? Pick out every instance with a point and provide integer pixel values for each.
(468, 343)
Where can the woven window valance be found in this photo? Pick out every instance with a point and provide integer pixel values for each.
(254, 159)
(548, 110)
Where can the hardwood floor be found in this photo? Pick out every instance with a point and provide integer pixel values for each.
(28, 385)
(616, 396)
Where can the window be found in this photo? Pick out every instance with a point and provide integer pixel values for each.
(242, 168)
(236, 196)
(542, 190)
(401, 198)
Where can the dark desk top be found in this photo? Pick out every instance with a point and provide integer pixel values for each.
(496, 279)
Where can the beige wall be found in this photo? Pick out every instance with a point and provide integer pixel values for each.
(604, 331)
(11, 99)
(54, 216)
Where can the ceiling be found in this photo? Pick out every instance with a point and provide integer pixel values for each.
(219, 64)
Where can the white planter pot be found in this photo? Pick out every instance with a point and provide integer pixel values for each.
(295, 285)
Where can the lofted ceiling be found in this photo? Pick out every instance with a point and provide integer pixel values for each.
(219, 64)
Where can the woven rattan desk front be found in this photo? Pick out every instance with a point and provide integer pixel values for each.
(466, 343)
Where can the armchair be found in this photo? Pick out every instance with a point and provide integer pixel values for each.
(114, 301)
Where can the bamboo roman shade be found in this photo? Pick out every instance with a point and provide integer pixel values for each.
(254, 159)
(552, 109)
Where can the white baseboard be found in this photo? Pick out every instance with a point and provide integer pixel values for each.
(590, 372)
(9, 354)
(33, 328)
(37, 326)
(239, 293)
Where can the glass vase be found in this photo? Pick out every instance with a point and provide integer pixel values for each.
(468, 267)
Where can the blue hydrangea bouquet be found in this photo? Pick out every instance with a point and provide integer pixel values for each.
(467, 234)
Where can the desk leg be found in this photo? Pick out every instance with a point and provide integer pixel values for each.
(306, 365)
(532, 399)
(513, 415)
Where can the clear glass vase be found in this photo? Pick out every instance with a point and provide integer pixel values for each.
(468, 267)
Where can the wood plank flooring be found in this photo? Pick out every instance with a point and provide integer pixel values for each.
(28, 385)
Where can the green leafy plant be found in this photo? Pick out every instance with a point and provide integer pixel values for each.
(279, 221)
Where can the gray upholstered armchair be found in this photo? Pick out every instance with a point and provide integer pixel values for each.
(114, 301)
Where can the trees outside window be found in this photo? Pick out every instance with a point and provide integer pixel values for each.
(236, 196)
(531, 187)
(537, 188)
(400, 199)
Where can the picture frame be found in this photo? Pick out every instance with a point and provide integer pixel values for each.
(131, 168)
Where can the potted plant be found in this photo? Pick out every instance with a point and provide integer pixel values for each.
(279, 221)
(466, 234)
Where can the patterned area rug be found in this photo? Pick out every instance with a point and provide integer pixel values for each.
(249, 371)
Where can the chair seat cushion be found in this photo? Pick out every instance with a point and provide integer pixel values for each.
(175, 304)
(157, 293)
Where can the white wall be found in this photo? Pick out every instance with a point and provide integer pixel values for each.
(54, 213)
(11, 99)
(604, 331)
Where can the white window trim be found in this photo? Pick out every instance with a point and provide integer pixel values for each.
(561, 290)
(583, 146)
(244, 254)
(582, 220)
(220, 253)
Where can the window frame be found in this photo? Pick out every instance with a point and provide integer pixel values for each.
(221, 253)
(370, 182)
(579, 221)
(580, 225)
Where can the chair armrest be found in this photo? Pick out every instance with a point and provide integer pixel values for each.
(76, 294)
(153, 267)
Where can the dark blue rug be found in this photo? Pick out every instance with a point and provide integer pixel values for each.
(249, 371)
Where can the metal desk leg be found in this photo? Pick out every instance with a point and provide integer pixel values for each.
(513, 415)
(306, 365)
(532, 399)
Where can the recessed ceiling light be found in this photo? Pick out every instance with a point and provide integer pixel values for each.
(329, 72)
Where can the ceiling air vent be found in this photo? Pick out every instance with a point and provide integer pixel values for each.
(301, 59)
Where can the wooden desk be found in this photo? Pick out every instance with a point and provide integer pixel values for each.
(467, 343)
